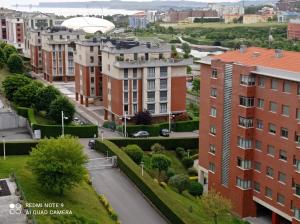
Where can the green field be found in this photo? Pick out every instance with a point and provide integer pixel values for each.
(82, 200)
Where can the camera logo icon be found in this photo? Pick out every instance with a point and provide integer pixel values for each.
(15, 209)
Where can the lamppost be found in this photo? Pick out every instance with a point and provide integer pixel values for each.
(125, 117)
(102, 135)
(4, 151)
(62, 123)
(142, 165)
(170, 120)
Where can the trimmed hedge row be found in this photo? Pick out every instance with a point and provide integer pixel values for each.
(17, 148)
(154, 129)
(83, 131)
(173, 211)
(168, 143)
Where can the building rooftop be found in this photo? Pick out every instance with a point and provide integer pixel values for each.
(270, 58)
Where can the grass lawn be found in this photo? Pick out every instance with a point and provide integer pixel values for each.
(42, 120)
(82, 200)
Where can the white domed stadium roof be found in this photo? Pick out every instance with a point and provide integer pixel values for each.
(89, 24)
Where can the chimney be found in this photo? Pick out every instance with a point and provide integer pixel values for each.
(243, 48)
(278, 53)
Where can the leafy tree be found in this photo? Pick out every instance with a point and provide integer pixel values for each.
(196, 85)
(58, 164)
(61, 104)
(160, 162)
(26, 95)
(12, 83)
(157, 148)
(180, 182)
(9, 50)
(215, 205)
(187, 162)
(15, 63)
(44, 98)
(135, 153)
(195, 189)
(2, 44)
(186, 49)
(174, 52)
(143, 117)
(2, 58)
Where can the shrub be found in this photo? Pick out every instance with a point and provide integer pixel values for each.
(192, 171)
(9, 50)
(187, 162)
(195, 189)
(143, 117)
(157, 148)
(170, 172)
(135, 153)
(17, 148)
(179, 151)
(45, 96)
(61, 104)
(180, 182)
(160, 162)
(12, 83)
(26, 95)
(15, 63)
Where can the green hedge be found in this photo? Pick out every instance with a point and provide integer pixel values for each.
(173, 211)
(154, 129)
(81, 131)
(17, 148)
(168, 143)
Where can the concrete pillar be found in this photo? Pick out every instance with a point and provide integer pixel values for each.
(275, 218)
(77, 97)
(81, 99)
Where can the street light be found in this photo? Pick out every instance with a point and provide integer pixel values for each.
(170, 120)
(142, 165)
(102, 136)
(4, 151)
(125, 123)
(62, 123)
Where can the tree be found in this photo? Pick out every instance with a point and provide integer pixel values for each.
(196, 85)
(2, 44)
(12, 83)
(61, 104)
(160, 162)
(2, 58)
(180, 182)
(135, 153)
(187, 162)
(174, 52)
(186, 49)
(215, 205)
(143, 117)
(26, 95)
(9, 50)
(195, 189)
(44, 98)
(15, 63)
(58, 164)
(157, 148)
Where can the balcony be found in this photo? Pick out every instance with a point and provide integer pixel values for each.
(151, 100)
(153, 63)
(163, 99)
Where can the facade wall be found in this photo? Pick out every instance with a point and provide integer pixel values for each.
(294, 31)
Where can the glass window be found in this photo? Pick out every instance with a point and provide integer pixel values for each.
(125, 73)
(151, 84)
(91, 59)
(273, 106)
(213, 130)
(212, 149)
(163, 95)
(286, 87)
(284, 132)
(285, 110)
(212, 167)
(92, 80)
(151, 96)
(257, 166)
(163, 83)
(261, 82)
(271, 150)
(134, 70)
(163, 71)
(214, 73)
(281, 177)
(283, 155)
(163, 108)
(91, 48)
(274, 84)
(256, 186)
(272, 128)
(260, 103)
(298, 89)
(245, 122)
(134, 84)
(258, 144)
(125, 85)
(246, 101)
(151, 108)
(270, 172)
(244, 143)
(298, 114)
(297, 139)
(213, 92)
(213, 112)
(248, 80)
(297, 213)
(151, 72)
(259, 124)
(244, 164)
(296, 163)
(268, 192)
(134, 97)
(280, 199)
(244, 184)
(134, 106)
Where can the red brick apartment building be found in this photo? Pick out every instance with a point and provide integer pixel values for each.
(35, 46)
(250, 131)
(294, 29)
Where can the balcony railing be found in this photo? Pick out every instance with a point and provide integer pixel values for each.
(153, 63)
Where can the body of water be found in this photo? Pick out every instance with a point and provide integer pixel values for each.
(76, 11)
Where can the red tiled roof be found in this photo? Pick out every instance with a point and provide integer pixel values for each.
(289, 61)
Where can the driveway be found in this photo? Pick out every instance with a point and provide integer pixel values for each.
(124, 197)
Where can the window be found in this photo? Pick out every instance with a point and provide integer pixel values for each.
(213, 112)
(273, 107)
(151, 72)
(272, 128)
(298, 114)
(135, 56)
(134, 106)
(125, 73)
(256, 186)
(270, 172)
(246, 101)
(274, 84)
(286, 87)
(280, 199)
(258, 145)
(134, 97)
(163, 71)
(259, 124)
(163, 84)
(212, 149)
(297, 189)
(93, 90)
(211, 167)
(125, 97)
(296, 163)
(244, 143)
(163, 95)
(151, 96)
(271, 150)
(284, 132)
(214, 73)
(298, 89)
(248, 80)
(285, 110)
(91, 59)
(260, 103)
(213, 130)
(213, 92)
(257, 166)
(92, 80)
(297, 139)
(283, 155)
(134, 84)
(151, 84)
(125, 85)
(268, 192)
(244, 164)
(244, 184)
(245, 122)
(92, 69)
(297, 213)
(125, 108)
(163, 108)
(151, 108)
(91, 48)
(281, 177)
(134, 71)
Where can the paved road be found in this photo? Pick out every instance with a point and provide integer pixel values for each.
(122, 194)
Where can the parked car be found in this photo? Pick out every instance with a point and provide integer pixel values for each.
(141, 134)
(165, 132)
(92, 144)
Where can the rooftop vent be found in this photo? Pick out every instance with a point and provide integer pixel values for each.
(243, 48)
(278, 53)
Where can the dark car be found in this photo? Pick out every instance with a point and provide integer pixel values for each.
(165, 132)
(141, 134)
(92, 144)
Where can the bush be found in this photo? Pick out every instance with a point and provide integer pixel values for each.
(15, 63)
(45, 96)
(61, 104)
(143, 117)
(179, 152)
(187, 162)
(134, 152)
(17, 148)
(180, 182)
(160, 162)
(26, 95)
(9, 50)
(195, 189)
(110, 125)
(157, 148)
(192, 171)
(12, 83)
(170, 172)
